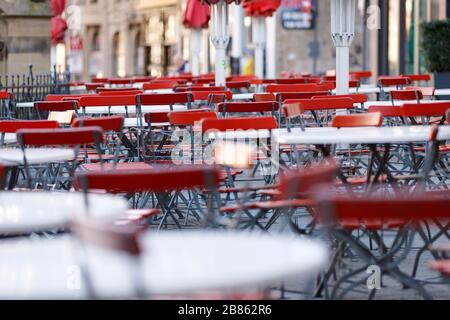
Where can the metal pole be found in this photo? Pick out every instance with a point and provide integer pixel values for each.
(196, 40)
(220, 39)
(259, 41)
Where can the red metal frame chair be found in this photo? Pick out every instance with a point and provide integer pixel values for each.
(55, 106)
(169, 99)
(73, 137)
(248, 107)
(12, 126)
(342, 214)
(373, 119)
(426, 112)
(282, 88)
(157, 85)
(360, 75)
(264, 97)
(93, 87)
(165, 182)
(406, 95)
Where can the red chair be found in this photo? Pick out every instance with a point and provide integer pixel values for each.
(107, 101)
(357, 98)
(393, 114)
(93, 86)
(55, 106)
(67, 97)
(204, 95)
(237, 84)
(418, 77)
(166, 182)
(357, 120)
(279, 88)
(189, 118)
(360, 75)
(282, 97)
(249, 123)
(388, 81)
(73, 137)
(248, 107)
(340, 215)
(426, 111)
(120, 82)
(157, 85)
(202, 88)
(406, 95)
(12, 126)
(169, 99)
(264, 97)
(99, 80)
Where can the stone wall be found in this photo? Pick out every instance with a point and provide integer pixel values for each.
(25, 35)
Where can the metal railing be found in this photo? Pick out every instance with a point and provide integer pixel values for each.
(32, 87)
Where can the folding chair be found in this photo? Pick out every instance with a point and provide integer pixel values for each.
(389, 81)
(106, 235)
(169, 99)
(426, 112)
(93, 87)
(157, 85)
(55, 106)
(12, 126)
(283, 88)
(113, 137)
(406, 95)
(359, 98)
(341, 215)
(262, 108)
(73, 137)
(264, 97)
(168, 188)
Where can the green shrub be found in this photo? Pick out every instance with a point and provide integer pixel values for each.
(436, 45)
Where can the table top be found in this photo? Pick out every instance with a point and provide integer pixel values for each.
(36, 156)
(25, 212)
(326, 136)
(133, 122)
(172, 262)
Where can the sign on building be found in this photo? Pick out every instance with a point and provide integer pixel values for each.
(298, 14)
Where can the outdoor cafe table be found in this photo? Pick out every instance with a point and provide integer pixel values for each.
(171, 263)
(22, 213)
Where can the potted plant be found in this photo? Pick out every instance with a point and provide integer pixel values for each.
(436, 46)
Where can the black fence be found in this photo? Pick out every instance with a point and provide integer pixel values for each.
(31, 87)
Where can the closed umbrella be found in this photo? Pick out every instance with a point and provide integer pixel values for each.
(259, 10)
(196, 17)
(219, 34)
(58, 24)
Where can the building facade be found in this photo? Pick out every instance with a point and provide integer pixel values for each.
(24, 36)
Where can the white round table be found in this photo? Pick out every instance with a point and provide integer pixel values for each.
(36, 156)
(171, 263)
(327, 136)
(26, 212)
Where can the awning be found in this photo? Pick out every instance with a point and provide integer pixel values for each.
(261, 8)
(58, 24)
(196, 15)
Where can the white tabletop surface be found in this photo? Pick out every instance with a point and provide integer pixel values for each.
(172, 263)
(362, 135)
(10, 138)
(132, 122)
(36, 156)
(26, 212)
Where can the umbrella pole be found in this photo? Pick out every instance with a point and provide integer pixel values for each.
(259, 36)
(220, 39)
(196, 40)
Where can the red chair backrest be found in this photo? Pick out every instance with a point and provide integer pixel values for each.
(300, 95)
(189, 118)
(93, 86)
(387, 111)
(358, 75)
(238, 84)
(417, 77)
(264, 97)
(107, 235)
(373, 119)
(154, 99)
(322, 104)
(438, 109)
(393, 81)
(43, 106)
(357, 98)
(204, 95)
(295, 183)
(406, 95)
(423, 206)
(236, 107)
(155, 85)
(96, 101)
(158, 179)
(249, 123)
(113, 123)
(143, 79)
(12, 126)
(71, 136)
(156, 117)
(67, 97)
(202, 88)
(280, 88)
(217, 98)
(205, 80)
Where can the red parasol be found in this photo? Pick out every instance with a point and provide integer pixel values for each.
(261, 8)
(58, 24)
(196, 15)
